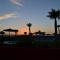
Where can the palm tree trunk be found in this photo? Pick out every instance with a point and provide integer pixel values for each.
(55, 27)
(29, 31)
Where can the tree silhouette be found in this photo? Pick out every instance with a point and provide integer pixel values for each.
(54, 15)
(29, 25)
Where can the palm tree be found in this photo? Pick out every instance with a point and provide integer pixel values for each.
(54, 15)
(29, 25)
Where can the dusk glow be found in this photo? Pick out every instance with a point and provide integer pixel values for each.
(17, 13)
(22, 30)
(30, 24)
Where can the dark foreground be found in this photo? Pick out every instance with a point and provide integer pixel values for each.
(30, 42)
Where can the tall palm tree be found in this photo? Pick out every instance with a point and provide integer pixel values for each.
(54, 15)
(29, 25)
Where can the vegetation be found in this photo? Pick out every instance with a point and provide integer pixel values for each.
(40, 40)
(29, 25)
(54, 15)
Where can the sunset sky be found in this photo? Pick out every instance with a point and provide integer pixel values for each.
(17, 13)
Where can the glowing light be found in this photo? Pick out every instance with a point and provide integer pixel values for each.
(22, 30)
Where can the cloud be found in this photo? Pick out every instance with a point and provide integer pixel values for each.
(7, 16)
(17, 2)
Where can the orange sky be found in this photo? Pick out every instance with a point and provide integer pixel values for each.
(22, 30)
(34, 29)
